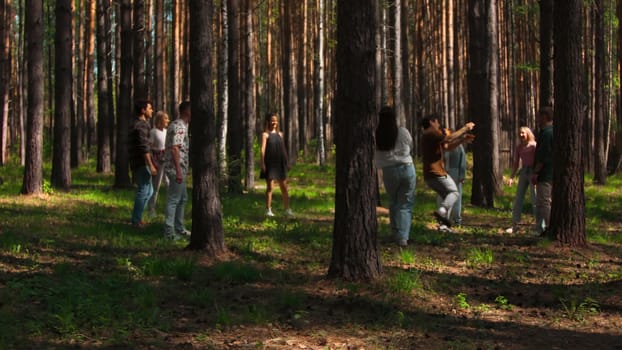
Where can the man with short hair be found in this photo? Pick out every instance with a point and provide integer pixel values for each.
(542, 175)
(176, 161)
(140, 159)
(433, 143)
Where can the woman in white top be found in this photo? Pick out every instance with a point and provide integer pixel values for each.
(393, 146)
(158, 138)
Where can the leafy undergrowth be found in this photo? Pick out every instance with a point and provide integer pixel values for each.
(74, 274)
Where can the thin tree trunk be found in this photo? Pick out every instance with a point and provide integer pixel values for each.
(89, 74)
(398, 90)
(139, 82)
(160, 53)
(250, 99)
(104, 118)
(5, 75)
(235, 130)
(61, 160)
(546, 52)
(601, 83)
(223, 91)
(319, 87)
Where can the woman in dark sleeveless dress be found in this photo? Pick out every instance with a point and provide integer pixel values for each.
(274, 162)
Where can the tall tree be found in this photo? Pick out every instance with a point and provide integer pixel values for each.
(568, 202)
(223, 89)
(250, 104)
(5, 75)
(33, 170)
(105, 119)
(319, 86)
(290, 84)
(398, 91)
(139, 82)
(124, 104)
(483, 97)
(63, 75)
(89, 75)
(546, 52)
(601, 107)
(355, 249)
(160, 49)
(235, 130)
(206, 207)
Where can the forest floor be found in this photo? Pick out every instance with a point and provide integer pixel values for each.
(75, 275)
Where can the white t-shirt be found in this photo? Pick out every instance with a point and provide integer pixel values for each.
(400, 154)
(158, 137)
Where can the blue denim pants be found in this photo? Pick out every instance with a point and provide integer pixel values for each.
(176, 199)
(446, 188)
(399, 182)
(142, 177)
(524, 182)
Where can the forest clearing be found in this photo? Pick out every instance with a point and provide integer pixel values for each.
(75, 275)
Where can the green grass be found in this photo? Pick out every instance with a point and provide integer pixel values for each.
(72, 271)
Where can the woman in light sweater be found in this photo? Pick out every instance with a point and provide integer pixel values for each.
(158, 136)
(524, 155)
(393, 147)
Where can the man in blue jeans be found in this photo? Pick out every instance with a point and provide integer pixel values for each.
(433, 143)
(140, 159)
(176, 159)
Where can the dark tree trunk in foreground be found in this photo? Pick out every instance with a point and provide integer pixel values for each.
(124, 104)
(483, 97)
(63, 74)
(568, 207)
(33, 171)
(355, 249)
(207, 231)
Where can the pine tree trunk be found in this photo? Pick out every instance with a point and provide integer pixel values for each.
(5, 76)
(104, 118)
(33, 170)
(319, 87)
(568, 206)
(160, 53)
(601, 83)
(89, 74)
(139, 83)
(546, 52)
(61, 160)
(124, 98)
(235, 130)
(251, 117)
(355, 253)
(207, 231)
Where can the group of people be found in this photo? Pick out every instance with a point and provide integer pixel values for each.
(161, 155)
(444, 170)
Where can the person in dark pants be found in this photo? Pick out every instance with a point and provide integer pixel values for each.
(542, 175)
(140, 159)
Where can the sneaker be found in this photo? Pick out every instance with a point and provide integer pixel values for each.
(183, 232)
(445, 228)
(173, 236)
(402, 243)
(510, 230)
(269, 213)
(139, 225)
(442, 219)
(289, 212)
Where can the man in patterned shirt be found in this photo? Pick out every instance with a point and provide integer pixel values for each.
(176, 162)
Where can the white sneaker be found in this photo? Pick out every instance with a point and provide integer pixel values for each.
(289, 212)
(445, 228)
(183, 232)
(269, 213)
(173, 236)
(510, 230)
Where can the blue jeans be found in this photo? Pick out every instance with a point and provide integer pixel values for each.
(446, 188)
(399, 182)
(142, 176)
(176, 199)
(524, 182)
